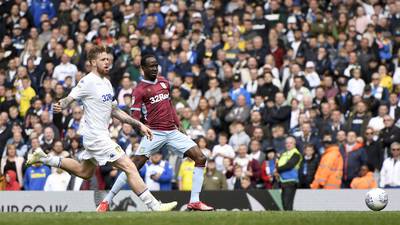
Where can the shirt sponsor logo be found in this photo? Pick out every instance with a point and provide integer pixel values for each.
(158, 98)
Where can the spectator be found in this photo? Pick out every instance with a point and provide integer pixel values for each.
(390, 173)
(238, 90)
(307, 137)
(233, 182)
(47, 140)
(374, 150)
(268, 90)
(308, 167)
(389, 134)
(344, 99)
(11, 181)
(12, 162)
(378, 91)
(330, 168)
(239, 137)
(202, 143)
(157, 173)
(64, 70)
(288, 167)
(365, 180)
(195, 130)
(250, 167)
(25, 95)
(239, 113)
(185, 175)
(213, 179)
(298, 92)
(255, 151)
(58, 151)
(394, 107)
(356, 84)
(57, 181)
(354, 157)
(268, 169)
(377, 122)
(35, 177)
(221, 151)
(358, 121)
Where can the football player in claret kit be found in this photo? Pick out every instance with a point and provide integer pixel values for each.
(97, 95)
(151, 98)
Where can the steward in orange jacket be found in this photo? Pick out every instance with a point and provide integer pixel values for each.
(365, 181)
(330, 169)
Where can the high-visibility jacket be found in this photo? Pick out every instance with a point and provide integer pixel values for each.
(365, 182)
(330, 170)
(291, 174)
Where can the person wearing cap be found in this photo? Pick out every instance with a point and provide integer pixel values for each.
(311, 76)
(330, 168)
(238, 90)
(268, 167)
(157, 173)
(18, 39)
(214, 180)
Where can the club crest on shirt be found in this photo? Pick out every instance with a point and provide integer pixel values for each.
(163, 85)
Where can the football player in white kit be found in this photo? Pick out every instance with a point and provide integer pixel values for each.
(97, 95)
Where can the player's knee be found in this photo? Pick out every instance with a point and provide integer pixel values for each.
(201, 160)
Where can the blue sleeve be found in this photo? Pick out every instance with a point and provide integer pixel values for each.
(160, 21)
(142, 171)
(142, 21)
(48, 171)
(52, 10)
(27, 178)
(166, 176)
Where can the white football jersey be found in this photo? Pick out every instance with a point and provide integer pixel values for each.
(97, 96)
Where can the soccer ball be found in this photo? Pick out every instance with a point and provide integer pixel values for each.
(376, 199)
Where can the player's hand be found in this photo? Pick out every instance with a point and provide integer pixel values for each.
(57, 107)
(146, 132)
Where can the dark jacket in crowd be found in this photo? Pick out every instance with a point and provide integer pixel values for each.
(307, 170)
(375, 155)
(352, 162)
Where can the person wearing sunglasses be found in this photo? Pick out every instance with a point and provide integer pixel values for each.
(390, 173)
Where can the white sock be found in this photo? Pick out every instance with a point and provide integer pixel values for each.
(197, 183)
(117, 186)
(149, 200)
(54, 161)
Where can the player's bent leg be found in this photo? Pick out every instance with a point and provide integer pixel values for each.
(139, 187)
(198, 176)
(84, 170)
(139, 161)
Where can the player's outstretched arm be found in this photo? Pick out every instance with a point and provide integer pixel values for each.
(125, 118)
(62, 104)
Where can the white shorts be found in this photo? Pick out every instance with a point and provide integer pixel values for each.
(101, 151)
(177, 141)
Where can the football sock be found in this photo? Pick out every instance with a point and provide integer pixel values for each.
(54, 161)
(197, 182)
(117, 186)
(149, 200)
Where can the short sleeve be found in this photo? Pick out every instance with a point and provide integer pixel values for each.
(137, 100)
(80, 91)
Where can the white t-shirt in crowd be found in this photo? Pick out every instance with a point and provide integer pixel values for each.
(356, 86)
(225, 150)
(64, 70)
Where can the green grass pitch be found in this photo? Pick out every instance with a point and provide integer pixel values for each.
(203, 218)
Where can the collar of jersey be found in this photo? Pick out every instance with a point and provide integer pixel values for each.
(149, 82)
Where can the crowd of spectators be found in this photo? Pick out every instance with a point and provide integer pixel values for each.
(249, 79)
